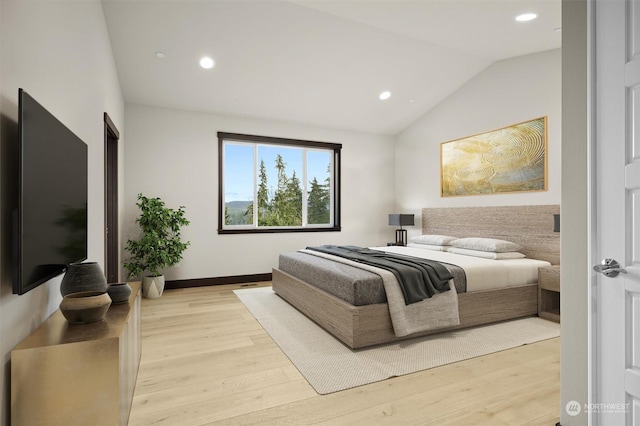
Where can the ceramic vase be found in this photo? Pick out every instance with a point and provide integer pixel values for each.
(85, 307)
(152, 287)
(86, 276)
(119, 292)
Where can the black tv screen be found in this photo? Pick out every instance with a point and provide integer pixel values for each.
(51, 220)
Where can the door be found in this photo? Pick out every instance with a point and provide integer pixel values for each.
(616, 208)
(111, 136)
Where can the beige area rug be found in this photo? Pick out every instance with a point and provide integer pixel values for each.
(330, 366)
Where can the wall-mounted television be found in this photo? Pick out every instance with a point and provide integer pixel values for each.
(50, 224)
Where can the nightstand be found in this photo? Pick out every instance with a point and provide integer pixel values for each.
(549, 292)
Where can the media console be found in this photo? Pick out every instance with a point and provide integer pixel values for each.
(78, 374)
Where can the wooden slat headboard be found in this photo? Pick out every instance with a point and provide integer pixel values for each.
(529, 226)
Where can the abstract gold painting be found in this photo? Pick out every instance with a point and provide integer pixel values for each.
(510, 159)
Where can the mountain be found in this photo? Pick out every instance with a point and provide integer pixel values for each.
(242, 205)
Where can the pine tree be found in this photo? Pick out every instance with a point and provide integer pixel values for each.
(314, 203)
(263, 197)
(318, 203)
(293, 201)
(248, 215)
(278, 213)
(283, 206)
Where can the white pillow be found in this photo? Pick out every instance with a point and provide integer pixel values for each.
(429, 247)
(486, 244)
(487, 254)
(436, 240)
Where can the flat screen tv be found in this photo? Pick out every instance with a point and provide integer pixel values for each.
(51, 220)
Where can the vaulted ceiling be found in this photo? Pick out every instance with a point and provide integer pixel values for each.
(320, 63)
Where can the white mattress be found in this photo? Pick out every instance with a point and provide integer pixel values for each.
(482, 274)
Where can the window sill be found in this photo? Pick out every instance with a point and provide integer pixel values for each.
(278, 230)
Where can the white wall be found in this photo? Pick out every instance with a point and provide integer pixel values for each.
(507, 92)
(576, 227)
(59, 52)
(173, 155)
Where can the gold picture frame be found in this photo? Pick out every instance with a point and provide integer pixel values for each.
(506, 160)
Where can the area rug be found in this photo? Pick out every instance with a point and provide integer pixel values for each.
(330, 366)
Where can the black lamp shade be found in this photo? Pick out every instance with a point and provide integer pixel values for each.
(401, 219)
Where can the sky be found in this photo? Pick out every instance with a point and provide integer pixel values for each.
(239, 173)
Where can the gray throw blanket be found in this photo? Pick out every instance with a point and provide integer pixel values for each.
(438, 312)
(418, 279)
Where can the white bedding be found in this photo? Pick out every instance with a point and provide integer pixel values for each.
(482, 274)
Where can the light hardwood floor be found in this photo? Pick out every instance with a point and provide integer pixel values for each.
(207, 361)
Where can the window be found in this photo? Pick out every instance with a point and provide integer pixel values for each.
(277, 185)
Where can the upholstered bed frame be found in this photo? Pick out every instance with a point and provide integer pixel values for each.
(361, 326)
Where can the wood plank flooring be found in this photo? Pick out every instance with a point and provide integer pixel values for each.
(207, 361)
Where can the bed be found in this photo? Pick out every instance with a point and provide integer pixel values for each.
(360, 324)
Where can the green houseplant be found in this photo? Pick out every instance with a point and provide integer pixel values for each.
(159, 245)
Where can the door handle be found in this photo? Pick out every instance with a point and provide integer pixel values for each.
(609, 267)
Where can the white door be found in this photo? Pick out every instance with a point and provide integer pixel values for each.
(616, 204)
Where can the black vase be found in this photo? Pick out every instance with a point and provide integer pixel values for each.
(86, 276)
(119, 292)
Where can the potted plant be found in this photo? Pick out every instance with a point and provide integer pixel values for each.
(159, 245)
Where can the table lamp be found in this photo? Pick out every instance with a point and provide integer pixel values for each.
(401, 220)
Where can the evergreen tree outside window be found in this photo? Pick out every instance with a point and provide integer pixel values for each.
(319, 193)
(277, 185)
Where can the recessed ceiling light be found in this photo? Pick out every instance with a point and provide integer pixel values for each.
(159, 54)
(558, 30)
(384, 95)
(411, 100)
(207, 63)
(526, 17)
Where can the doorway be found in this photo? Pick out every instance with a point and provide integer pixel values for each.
(111, 137)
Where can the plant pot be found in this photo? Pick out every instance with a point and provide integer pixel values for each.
(152, 287)
(85, 307)
(86, 276)
(119, 292)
